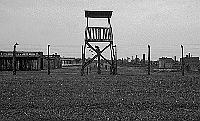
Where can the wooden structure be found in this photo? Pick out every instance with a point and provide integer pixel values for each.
(98, 35)
(166, 63)
(190, 63)
(51, 62)
(71, 62)
(28, 61)
(24, 60)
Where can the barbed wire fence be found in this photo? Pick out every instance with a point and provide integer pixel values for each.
(136, 50)
(172, 51)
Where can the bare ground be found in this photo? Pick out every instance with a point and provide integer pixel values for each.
(130, 95)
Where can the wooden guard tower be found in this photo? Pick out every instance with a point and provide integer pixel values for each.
(99, 35)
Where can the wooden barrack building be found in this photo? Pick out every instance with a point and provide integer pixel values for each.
(28, 61)
(24, 60)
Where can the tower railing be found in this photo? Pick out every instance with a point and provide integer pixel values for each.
(98, 34)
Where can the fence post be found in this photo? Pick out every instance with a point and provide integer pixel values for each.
(149, 60)
(115, 59)
(48, 61)
(14, 59)
(182, 62)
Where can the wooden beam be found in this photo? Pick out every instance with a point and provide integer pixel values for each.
(93, 33)
(89, 32)
(105, 48)
(87, 22)
(111, 54)
(91, 47)
(103, 36)
(105, 59)
(86, 35)
(99, 33)
(98, 14)
(96, 34)
(106, 34)
(89, 61)
(99, 60)
(100, 40)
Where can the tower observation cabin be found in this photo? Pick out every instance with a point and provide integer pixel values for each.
(99, 35)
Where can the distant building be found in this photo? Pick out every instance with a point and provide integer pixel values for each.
(55, 61)
(135, 60)
(71, 62)
(154, 64)
(191, 63)
(166, 63)
(28, 61)
(24, 60)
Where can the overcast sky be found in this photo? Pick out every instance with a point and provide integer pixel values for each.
(164, 24)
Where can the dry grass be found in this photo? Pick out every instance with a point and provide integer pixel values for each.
(131, 95)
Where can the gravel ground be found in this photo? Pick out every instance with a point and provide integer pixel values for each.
(130, 95)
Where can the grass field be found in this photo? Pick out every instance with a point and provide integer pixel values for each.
(130, 95)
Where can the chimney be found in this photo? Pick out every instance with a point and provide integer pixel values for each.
(175, 58)
(132, 58)
(189, 55)
(136, 59)
(144, 58)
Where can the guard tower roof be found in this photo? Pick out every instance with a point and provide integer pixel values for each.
(98, 14)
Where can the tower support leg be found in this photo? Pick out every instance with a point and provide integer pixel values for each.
(83, 61)
(99, 59)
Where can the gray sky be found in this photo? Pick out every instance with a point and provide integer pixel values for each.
(164, 24)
